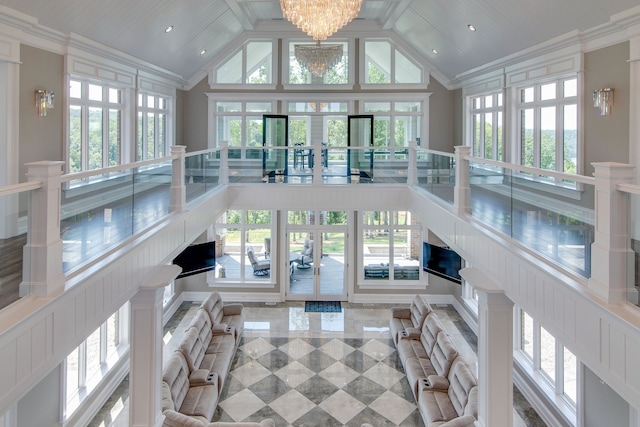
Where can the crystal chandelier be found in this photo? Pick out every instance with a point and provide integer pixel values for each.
(320, 18)
(316, 58)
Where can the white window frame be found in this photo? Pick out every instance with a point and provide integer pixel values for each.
(88, 384)
(559, 102)
(85, 103)
(392, 113)
(244, 280)
(143, 122)
(317, 82)
(553, 388)
(406, 51)
(228, 54)
(495, 110)
(389, 282)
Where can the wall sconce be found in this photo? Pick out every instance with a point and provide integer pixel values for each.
(44, 101)
(603, 100)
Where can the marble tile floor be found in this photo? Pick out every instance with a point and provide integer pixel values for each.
(317, 369)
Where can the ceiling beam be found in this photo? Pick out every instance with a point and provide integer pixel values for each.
(398, 9)
(242, 14)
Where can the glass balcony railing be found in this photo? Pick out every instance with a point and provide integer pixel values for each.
(435, 172)
(13, 238)
(549, 215)
(99, 211)
(202, 173)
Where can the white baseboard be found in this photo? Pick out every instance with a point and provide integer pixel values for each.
(533, 398)
(171, 309)
(469, 319)
(232, 296)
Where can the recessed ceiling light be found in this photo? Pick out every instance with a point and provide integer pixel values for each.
(203, 51)
(435, 51)
(471, 27)
(168, 29)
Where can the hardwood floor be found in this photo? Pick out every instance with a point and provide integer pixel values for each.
(11, 271)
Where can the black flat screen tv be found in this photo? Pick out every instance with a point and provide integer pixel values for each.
(442, 262)
(196, 259)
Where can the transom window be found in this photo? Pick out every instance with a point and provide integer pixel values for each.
(386, 64)
(338, 74)
(548, 125)
(487, 120)
(153, 136)
(95, 125)
(251, 65)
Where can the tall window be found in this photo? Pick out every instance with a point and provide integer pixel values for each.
(313, 121)
(548, 125)
(88, 364)
(240, 230)
(549, 360)
(95, 125)
(153, 132)
(391, 245)
(240, 123)
(396, 123)
(486, 119)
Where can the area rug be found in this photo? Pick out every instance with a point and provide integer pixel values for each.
(322, 307)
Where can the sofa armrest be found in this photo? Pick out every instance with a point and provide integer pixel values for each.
(175, 418)
(463, 421)
(434, 383)
(412, 333)
(221, 329)
(203, 377)
(401, 312)
(232, 309)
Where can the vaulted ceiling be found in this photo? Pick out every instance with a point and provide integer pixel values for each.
(137, 28)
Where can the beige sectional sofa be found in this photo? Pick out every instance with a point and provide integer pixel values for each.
(443, 384)
(196, 372)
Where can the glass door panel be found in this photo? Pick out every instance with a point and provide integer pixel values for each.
(301, 265)
(332, 254)
(360, 134)
(275, 133)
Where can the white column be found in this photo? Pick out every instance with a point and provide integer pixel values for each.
(495, 351)
(224, 163)
(178, 193)
(317, 162)
(145, 376)
(612, 259)
(42, 255)
(462, 195)
(9, 141)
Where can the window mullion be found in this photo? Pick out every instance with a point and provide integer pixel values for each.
(82, 365)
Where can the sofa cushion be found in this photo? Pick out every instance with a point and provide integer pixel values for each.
(175, 377)
(229, 314)
(443, 354)
(408, 348)
(176, 419)
(430, 330)
(217, 357)
(412, 317)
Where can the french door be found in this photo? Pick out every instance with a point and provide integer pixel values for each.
(317, 264)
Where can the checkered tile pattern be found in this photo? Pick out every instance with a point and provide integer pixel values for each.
(318, 382)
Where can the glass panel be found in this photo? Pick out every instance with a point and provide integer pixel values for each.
(570, 374)
(162, 135)
(477, 134)
(526, 332)
(195, 176)
(406, 70)
(548, 138)
(336, 218)
(254, 137)
(298, 128)
(114, 137)
(258, 107)
(259, 61)
(95, 138)
(477, 103)
(336, 107)
(140, 138)
(162, 103)
(378, 62)
(12, 247)
(526, 94)
(114, 95)
(93, 353)
(73, 374)
(406, 265)
(376, 253)
(570, 88)
(548, 92)
(526, 137)
(140, 100)
(301, 256)
(151, 197)
(436, 174)
(372, 107)
(297, 73)
(302, 107)
(548, 354)
(151, 142)
(499, 96)
(95, 92)
(113, 337)
(258, 217)
(488, 101)
(409, 107)
(231, 71)
(229, 107)
(339, 73)
(229, 128)
(488, 135)
(570, 139)
(230, 261)
(499, 136)
(75, 89)
(382, 131)
(332, 264)
(75, 138)
(298, 217)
